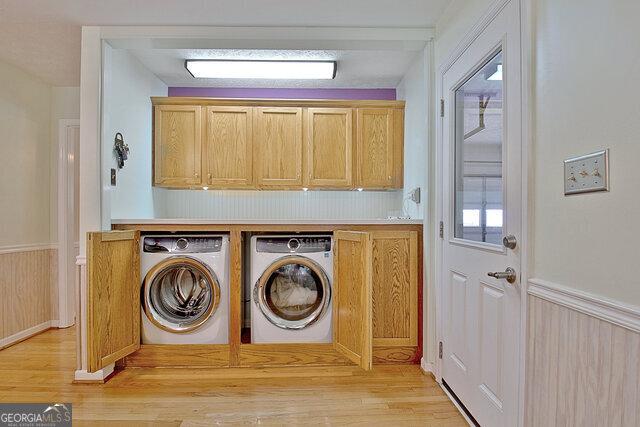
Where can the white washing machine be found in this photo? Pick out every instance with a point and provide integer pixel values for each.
(291, 279)
(185, 289)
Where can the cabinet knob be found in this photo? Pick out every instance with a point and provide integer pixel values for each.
(195, 174)
(209, 178)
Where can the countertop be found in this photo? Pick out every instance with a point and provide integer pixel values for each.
(268, 221)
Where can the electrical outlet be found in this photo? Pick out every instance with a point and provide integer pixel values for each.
(414, 195)
(586, 174)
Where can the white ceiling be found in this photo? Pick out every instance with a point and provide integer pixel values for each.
(43, 36)
(355, 69)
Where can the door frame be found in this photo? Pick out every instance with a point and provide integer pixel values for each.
(66, 294)
(526, 91)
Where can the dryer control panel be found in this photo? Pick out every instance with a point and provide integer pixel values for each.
(293, 244)
(182, 244)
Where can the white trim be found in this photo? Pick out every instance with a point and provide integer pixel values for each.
(84, 376)
(427, 367)
(27, 333)
(66, 310)
(27, 248)
(609, 310)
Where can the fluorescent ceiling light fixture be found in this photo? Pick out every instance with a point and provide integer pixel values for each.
(497, 75)
(241, 69)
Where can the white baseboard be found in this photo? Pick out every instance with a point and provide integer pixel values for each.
(98, 376)
(616, 312)
(427, 367)
(22, 335)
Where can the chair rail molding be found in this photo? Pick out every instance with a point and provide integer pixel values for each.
(27, 248)
(616, 312)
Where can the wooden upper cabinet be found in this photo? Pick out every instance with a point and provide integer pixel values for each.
(329, 147)
(277, 144)
(395, 288)
(228, 147)
(379, 147)
(177, 145)
(352, 299)
(278, 147)
(113, 296)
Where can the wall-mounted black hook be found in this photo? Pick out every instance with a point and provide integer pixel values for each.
(121, 149)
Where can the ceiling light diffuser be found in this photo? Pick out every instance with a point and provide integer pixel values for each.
(244, 69)
(497, 75)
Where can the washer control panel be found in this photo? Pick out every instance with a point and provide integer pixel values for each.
(182, 244)
(293, 244)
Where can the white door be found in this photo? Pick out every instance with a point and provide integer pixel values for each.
(481, 176)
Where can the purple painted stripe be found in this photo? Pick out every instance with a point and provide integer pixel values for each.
(288, 93)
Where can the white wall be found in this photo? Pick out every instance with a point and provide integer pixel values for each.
(128, 85)
(413, 90)
(25, 108)
(279, 204)
(586, 98)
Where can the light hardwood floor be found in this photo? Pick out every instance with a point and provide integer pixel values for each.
(41, 370)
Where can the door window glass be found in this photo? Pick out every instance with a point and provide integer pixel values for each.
(478, 155)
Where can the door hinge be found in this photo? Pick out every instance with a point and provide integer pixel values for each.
(441, 230)
(440, 350)
(441, 107)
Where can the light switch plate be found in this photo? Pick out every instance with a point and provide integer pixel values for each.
(586, 174)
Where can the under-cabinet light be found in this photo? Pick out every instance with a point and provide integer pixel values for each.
(360, 189)
(305, 189)
(497, 75)
(242, 69)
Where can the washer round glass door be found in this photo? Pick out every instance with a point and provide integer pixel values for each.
(293, 292)
(180, 294)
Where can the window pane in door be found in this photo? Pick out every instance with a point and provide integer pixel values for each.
(478, 155)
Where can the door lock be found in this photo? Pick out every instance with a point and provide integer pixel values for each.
(509, 241)
(509, 274)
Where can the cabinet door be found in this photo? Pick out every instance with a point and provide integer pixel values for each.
(278, 146)
(329, 144)
(375, 147)
(395, 288)
(177, 143)
(352, 273)
(113, 296)
(228, 147)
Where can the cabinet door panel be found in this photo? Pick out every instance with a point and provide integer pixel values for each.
(395, 288)
(375, 147)
(228, 147)
(113, 296)
(352, 335)
(177, 144)
(279, 147)
(329, 147)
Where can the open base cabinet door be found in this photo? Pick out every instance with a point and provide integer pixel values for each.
(352, 296)
(113, 291)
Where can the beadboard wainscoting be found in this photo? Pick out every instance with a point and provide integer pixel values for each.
(583, 361)
(29, 289)
(265, 205)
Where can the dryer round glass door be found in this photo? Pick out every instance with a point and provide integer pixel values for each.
(180, 294)
(293, 292)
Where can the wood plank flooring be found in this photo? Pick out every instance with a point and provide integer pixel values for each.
(41, 370)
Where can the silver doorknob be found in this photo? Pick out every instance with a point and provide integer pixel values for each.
(509, 274)
(509, 241)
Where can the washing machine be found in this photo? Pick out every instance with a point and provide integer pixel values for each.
(291, 279)
(185, 289)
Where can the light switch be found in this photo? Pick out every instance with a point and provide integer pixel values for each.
(586, 174)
